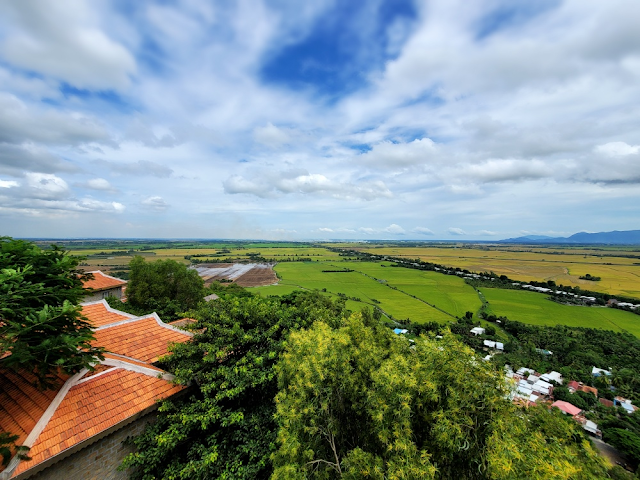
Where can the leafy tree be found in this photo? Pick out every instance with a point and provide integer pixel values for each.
(41, 326)
(164, 286)
(360, 402)
(8, 446)
(226, 429)
(626, 441)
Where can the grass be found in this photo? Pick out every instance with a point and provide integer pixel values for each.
(413, 296)
(534, 308)
(620, 275)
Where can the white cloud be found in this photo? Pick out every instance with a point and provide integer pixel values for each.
(99, 184)
(616, 149)
(270, 135)
(394, 229)
(423, 231)
(155, 203)
(456, 231)
(326, 230)
(272, 185)
(487, 233)
(388, 154)
(22, 123)
(64, 41)
(8, 184)
(46, 186)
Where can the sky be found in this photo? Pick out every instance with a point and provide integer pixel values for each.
(319, 120)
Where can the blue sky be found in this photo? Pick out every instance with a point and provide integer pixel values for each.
(291, 120)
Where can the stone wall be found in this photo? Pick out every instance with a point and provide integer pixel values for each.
(98, 461)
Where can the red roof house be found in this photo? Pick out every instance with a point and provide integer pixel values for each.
(79, 426)
(103, 286)
(566, 407)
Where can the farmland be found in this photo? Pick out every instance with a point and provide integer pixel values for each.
(418, 295)
(619, 268)
(535, 308)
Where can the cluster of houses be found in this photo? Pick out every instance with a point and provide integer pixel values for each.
(531, 387)
(615, 303)
(76, 430)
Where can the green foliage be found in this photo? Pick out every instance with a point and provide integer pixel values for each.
(8, 447)
(626, 441)
(41, 326)
(360, 402)
(164, 286)
(537, 444)
(228, 289)
(225, 428)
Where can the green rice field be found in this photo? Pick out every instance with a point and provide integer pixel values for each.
(399, 292)
(534, 308)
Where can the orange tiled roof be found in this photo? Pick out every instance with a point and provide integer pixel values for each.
(22, 404)
(142, 339)
(99, 400)
(93, 406)
(100, 314)
(103, 282)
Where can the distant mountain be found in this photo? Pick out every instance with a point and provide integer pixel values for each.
(629, 237)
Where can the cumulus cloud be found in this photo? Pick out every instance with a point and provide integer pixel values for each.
(64, 41)
(326, 230)
(487, 233)
(423, 231)
(98, 184)
(45, 186)
(302, 182)
(394, 229)
(456, 231)
(504, 170)
(270, 135)
(155, 203)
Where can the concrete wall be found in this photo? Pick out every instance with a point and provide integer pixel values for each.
(98, 461)
(112, 292)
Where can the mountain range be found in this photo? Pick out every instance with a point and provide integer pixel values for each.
(628, 237)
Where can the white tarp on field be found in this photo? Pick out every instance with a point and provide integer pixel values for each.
(229, 272)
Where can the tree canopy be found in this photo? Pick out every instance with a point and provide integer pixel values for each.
(41, 326)
(225, 429)
(164, 286)
(361, 402)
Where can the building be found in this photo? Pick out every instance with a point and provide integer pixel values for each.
(103, 286)
(552, 377)
(566, 408)
(596, 372)
(76, 430)
(477, 331)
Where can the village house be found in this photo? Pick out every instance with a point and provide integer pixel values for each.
(103, 286)
(76, 431)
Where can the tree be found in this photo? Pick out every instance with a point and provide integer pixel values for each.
(226, 429)
(164, 286)
(626, 441)
(359, 402)
(41, 326)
